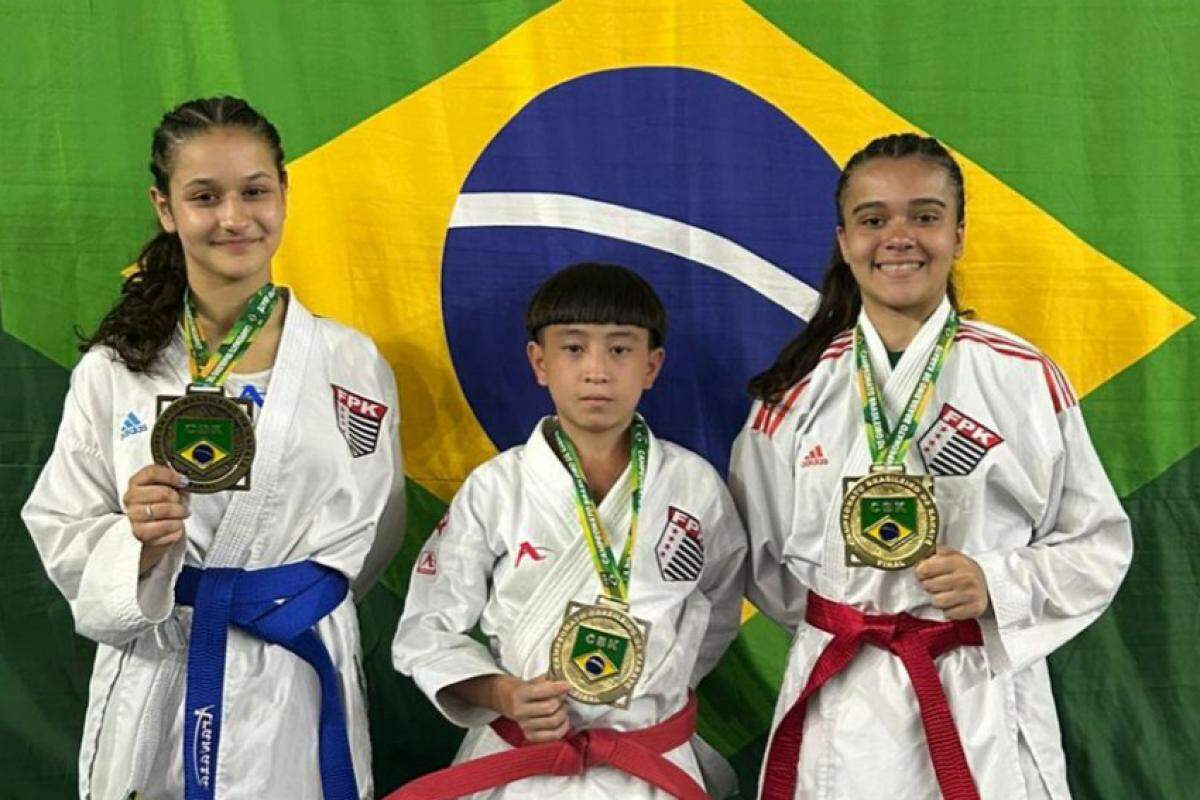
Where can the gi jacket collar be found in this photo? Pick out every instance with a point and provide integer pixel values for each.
(571, 576)
(551, 482)
(897, 384)
(240, 525)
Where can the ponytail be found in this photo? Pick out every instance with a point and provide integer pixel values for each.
(836, 312)
(140, 325)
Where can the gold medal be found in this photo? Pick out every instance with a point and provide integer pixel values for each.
(207, 437)
(204, 435)
(889, 519)
(600, 651)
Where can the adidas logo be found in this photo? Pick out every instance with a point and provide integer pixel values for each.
(815, 458)
(249, 392)
(132, 425)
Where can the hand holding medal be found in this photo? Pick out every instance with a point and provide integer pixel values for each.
(889, 519)
(600, 650)
(537, 706)
(156, 505)
(204, 435)
(955, 583)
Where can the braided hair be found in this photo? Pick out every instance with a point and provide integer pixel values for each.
(142, 321)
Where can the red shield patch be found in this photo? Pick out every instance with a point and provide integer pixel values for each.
(359, 419)
(680, 548)
(955, 444)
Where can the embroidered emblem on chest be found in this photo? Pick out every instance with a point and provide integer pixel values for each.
(359, 419)
(131, 426)
(680, 548)
(955, 444)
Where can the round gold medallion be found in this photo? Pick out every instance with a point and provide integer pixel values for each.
(600, 651)
(889, 520)
(207, 437)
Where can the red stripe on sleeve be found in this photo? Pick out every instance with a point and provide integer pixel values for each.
(1014, 349)
(760, 417)
(785, 407)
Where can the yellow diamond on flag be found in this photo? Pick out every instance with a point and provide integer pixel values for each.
(888, 532)
(595, 665)
(203, 454)
(369, 210)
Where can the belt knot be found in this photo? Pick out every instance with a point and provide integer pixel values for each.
(880, 630)
(581, 751)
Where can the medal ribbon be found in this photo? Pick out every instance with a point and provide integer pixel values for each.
(613, 574)
(889, 447)
(211, 369)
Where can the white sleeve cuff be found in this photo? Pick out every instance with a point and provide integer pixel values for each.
(109, 607)
(461, 666)
(156, 589)
(1008, 610)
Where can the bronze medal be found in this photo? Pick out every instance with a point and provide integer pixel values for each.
(889, 519)
(599, 650)
(207, 437)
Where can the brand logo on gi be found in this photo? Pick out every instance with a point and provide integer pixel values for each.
(249, 392)
(527, 549)
(132, 425)
(427, 563)
(815, 458)
(202, 745)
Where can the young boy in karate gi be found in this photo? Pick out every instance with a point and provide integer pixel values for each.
(602, 565)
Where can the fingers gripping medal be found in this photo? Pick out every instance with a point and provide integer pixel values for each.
(889, 519)
(205, 435)
(600, 649)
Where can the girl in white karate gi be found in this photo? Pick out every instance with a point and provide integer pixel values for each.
(188, 594)
(929, 680)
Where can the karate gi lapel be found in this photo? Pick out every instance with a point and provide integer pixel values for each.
(897, 386)
(241, 523)
(572, 576)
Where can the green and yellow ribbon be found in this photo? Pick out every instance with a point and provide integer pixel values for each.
(613, 574)
(890, 447)
(212, 368)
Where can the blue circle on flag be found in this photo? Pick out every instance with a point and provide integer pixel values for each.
(662, 170)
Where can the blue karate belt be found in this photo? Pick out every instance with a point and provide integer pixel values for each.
(279, 605)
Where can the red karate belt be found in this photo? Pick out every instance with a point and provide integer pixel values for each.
(917, 642)
(638, 753)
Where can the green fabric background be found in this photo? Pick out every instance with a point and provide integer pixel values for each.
(1088, 109)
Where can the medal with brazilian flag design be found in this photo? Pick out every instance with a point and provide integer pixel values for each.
(204, 435)
(889, 518)
(600, 649)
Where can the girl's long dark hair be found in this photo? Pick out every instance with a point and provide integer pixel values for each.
(840, 298)
(141, 323)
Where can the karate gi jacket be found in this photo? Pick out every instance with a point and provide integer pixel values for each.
(510, 555)
(1019, 489)
(311, 498)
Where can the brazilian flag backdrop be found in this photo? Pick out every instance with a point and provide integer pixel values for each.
(445, 155)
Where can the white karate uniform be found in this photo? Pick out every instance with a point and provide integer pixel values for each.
(1019, 489)
(510, 555)
(310, 499)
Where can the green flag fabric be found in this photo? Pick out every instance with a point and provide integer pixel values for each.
(1075, 123)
